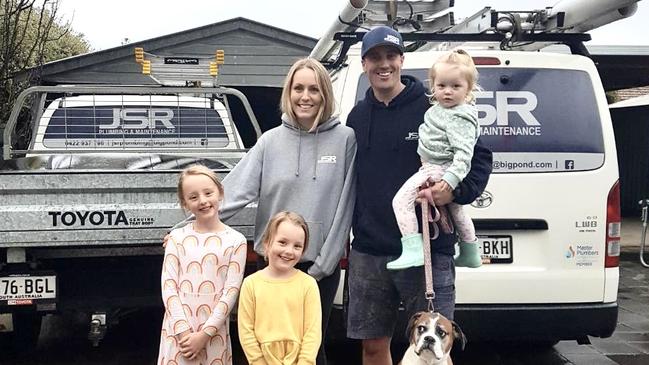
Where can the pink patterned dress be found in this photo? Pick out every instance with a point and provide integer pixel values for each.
(201, 278)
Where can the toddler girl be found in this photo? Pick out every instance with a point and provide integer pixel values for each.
(446, 140)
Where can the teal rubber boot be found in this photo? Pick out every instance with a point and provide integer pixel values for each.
(469, 255)
(412, 255)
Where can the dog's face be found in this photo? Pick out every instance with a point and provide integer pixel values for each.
(432, 335)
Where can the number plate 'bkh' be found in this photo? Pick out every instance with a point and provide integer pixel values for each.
(496, 249)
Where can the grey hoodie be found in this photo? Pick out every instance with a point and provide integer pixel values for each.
(310, 173)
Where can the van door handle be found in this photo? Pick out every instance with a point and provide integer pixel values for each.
(510, 224)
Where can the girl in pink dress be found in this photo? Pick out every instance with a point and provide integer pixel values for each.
(201, 276)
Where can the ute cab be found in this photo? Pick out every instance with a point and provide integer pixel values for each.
(121, 123)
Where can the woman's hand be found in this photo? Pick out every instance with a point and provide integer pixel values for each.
(166, 239)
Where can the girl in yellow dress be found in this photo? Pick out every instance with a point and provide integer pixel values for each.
(279, 308)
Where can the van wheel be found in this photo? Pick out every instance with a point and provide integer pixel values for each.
(27, 328)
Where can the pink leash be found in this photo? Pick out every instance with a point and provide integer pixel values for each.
(428, 264)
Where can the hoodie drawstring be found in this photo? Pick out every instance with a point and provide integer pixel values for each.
(299, 150)
(369, 127)
(396, 141)
(295, 128)
(315, 156)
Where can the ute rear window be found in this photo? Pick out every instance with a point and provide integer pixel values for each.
(135, 126)
(535, 120)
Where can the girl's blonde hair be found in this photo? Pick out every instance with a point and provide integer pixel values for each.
(323, 81)
(460, 58)
(276, 220)
(197, 170)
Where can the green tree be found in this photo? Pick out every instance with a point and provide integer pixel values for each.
(31, 34)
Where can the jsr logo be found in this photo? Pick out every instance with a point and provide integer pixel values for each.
(412, 136)
(495, 120)
(140, 118)
(327, 159)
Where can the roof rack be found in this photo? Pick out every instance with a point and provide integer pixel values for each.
(573, 40)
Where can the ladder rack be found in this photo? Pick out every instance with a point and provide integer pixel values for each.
(192, 71)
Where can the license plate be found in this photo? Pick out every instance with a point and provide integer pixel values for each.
(496, 249)
(25, 289)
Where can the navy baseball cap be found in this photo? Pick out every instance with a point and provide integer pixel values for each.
(381, 36)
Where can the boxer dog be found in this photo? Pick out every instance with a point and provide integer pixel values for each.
(431, 339)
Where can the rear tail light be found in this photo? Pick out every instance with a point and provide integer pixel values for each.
(613, 225)
(344, 261)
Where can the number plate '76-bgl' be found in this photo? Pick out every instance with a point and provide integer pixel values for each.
(24, 289)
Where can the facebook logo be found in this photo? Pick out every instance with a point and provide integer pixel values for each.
(570, 164)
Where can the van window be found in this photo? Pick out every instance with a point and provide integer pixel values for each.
(535, 120)
(135, 126)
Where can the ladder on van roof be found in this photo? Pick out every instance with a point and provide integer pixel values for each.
(429, 25)
(572, 40)
(190, 71)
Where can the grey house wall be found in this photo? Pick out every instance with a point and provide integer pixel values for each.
(257, 58)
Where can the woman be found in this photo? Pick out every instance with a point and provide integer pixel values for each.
(304, 165)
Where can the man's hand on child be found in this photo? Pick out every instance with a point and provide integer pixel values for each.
(438, 193)
(165, 240)
(444, 186)
(192, 344)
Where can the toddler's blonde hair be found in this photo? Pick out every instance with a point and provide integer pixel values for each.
(460, 58)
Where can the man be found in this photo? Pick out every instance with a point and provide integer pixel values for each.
(384, 123)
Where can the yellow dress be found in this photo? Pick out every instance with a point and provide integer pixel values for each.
(201, 277)
(280, 319)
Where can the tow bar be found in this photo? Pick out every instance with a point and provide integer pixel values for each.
(97, 328)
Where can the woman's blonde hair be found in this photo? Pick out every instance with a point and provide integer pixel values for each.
(323, 81)
(460, 58)
(197, 170)
(276, 220)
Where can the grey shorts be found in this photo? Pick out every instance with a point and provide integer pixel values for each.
(375, 293)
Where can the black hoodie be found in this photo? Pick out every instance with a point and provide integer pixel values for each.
(386, 157)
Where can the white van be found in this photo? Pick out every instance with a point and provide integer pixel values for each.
(549, 219)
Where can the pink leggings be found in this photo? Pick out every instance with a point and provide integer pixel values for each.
(404, 204)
